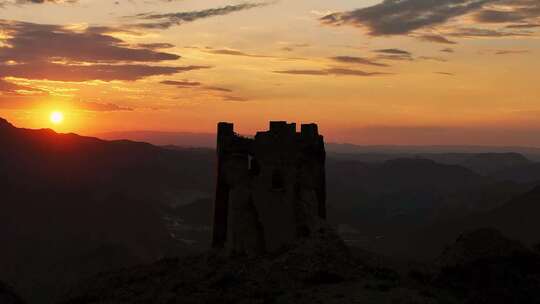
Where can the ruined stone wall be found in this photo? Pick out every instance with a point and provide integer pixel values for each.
(271, 189)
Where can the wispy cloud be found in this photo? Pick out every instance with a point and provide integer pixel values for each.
(235, 98)
(394, 17)
(79, 73)
(435, 38)
(358, 60)
(182, 83)
(394, 54)
(445, 73)
(510, 52)
(331, 72)
(21, 2)
(100, 107)
(473, 32)
(10, 88)
(156, 46)
(420, 17)
(165, 21)
(195, 85)
(235, 53)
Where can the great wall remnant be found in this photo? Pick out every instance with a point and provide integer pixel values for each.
(271, 190)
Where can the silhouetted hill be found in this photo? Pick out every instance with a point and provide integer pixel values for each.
(490, 163)
(159, 138)
(61, 158)
(396, 188)
(523, 174)
(517, 219)
(481, 163)
(531, 153)
(72, 206)
(363, 152)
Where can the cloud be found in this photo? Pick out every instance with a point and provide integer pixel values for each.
(445, 73)
(394, 52)
(523, 26)
(10, 88)
(155, 46)
(513, 11)
(79, 73)
(101, 107)
(510, 52)
(165, 21)
(37, 42)
(435, 38)
(235, 98)
(235, 53)
(19, 2)
(470, 32)
(415, 17)
(358, 60)
(331, 72)
(186, 84)
(53, 52)
(292, 47)
(432, 58)
(218, 89)
(396, 17)
(183, 83)
(232, 52)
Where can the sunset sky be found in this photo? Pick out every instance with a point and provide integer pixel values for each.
(367, 71)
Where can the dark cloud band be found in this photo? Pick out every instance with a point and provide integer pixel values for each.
(403, 17)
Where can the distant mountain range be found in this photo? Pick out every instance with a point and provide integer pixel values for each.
(88, 205)
(517, 218)
(208, 140)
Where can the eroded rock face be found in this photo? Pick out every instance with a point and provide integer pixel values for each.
(271, 189)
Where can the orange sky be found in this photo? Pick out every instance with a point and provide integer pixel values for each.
(369, 72)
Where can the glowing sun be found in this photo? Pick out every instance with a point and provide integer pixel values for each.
(56, 117)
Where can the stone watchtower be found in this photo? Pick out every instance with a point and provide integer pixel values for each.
(271, 190)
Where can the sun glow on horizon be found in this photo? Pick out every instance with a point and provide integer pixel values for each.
(56, 117)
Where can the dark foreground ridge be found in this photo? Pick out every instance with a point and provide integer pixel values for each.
(478, 268)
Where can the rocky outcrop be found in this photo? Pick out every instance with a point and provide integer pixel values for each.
(312, 265)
